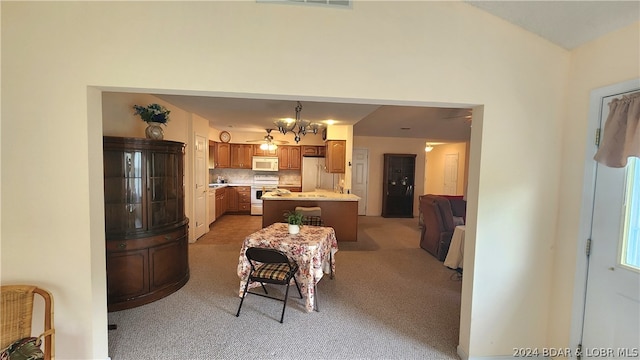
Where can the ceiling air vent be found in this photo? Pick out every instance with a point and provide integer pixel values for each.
(331, 3)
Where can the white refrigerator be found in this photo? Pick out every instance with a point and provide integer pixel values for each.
(314, 176)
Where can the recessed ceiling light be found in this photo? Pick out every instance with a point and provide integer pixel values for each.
(330, 122)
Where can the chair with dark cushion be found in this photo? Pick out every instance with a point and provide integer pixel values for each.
(438, 226)
(312, 215)
(272, 267)
(313, 220)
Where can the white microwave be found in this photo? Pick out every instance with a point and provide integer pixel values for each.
(265, 163)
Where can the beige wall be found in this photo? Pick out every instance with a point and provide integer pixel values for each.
(435, 162)
(609, 60)
(58, 56)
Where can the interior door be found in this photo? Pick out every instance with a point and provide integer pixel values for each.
(612, 304)
(201, 189)
(450, 174)
(359, 178)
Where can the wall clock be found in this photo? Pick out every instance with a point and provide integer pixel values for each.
(225, 136)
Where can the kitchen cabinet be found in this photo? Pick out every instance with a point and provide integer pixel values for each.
(260, 152)
(212, 154)
(232, 199)
(221, 201)
(313, 151)
(340, 212)
(244, 199)
(241, 155)
(212, 205)
(336, 156)
(289, 158)
(145, 223)
(239, 199)
(398, 185)
(222, 155)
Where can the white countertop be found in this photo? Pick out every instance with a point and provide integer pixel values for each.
(217, 186)
(313, 195)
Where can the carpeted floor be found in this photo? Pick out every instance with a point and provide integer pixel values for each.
(389, 300)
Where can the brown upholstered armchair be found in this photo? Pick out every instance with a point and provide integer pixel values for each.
(439, 221)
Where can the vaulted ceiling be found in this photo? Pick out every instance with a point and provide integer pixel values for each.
(568, 24)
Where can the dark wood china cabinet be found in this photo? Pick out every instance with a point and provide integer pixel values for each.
(398, 185)
(145, 224)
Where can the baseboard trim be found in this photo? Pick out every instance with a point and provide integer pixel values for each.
(464, 356)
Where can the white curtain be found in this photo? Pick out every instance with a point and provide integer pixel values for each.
(621, 137)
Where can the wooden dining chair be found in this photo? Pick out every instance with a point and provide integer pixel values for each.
(273, 267)
(312, 215)
(16, 313)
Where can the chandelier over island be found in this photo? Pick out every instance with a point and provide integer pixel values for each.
(297, 126)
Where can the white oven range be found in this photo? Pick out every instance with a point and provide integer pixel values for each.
(261, 185)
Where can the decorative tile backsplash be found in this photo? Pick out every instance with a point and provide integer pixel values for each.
(290, 177)
(242, 176)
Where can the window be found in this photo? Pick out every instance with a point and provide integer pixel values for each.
(630, 250)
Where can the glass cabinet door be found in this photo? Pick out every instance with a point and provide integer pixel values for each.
(123, 187)
(165, 189)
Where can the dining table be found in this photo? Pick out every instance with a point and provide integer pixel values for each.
(313, 249)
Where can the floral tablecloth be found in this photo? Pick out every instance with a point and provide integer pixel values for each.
(313, 249)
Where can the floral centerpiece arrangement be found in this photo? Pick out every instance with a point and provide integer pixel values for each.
(153, 113)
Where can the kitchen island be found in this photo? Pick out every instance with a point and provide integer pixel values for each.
(339, 211)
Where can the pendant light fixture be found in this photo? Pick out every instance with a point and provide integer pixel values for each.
(297, 126)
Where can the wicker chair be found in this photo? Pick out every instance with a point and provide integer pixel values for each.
(16, 316)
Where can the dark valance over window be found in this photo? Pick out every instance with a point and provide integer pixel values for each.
(621, 137)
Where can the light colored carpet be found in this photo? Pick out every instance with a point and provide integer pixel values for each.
(389, 300)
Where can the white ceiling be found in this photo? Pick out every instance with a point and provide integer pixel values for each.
(568, 24)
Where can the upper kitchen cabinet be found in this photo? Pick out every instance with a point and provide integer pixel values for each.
(289, 158)
(262, 152)
(313, 151)
(212, 154)
(221, 155)
(336, 156)
(241, 155)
